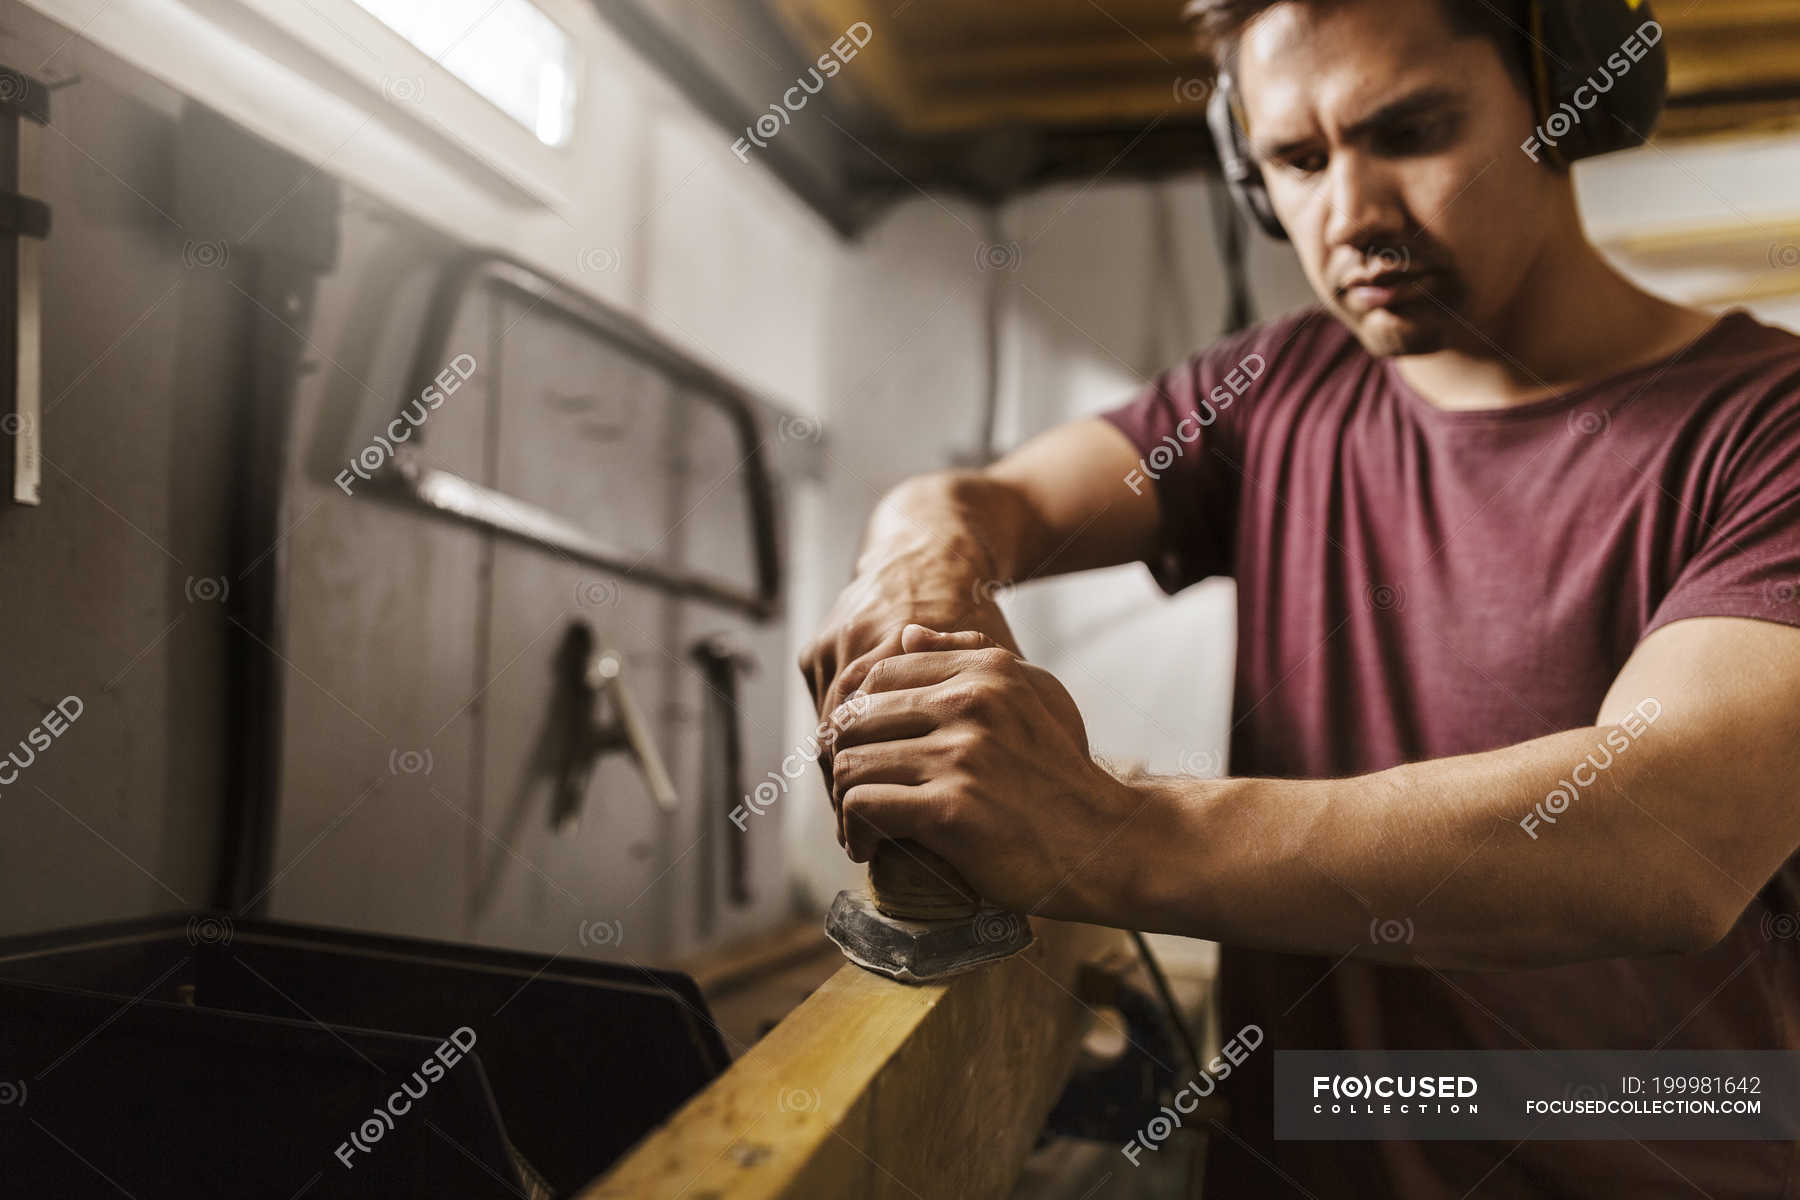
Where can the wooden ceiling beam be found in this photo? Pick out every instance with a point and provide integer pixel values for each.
(939, 71)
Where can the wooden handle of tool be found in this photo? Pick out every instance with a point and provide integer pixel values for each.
(907, 880)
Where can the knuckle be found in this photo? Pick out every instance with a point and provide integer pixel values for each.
(996, 668)
(846, 763)
(969, 696)
(948, 817)
(854, 804)
(844, 716)
(964, 746)
(859, 668)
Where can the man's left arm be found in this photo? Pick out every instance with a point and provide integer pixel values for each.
(1648, 832)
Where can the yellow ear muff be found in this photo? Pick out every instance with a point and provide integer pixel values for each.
(1540, 74)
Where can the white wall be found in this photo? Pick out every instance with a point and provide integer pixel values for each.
(1088, 317)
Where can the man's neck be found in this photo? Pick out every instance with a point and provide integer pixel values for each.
(1576, 320)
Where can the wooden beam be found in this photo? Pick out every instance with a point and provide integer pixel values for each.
(1772, 287)
(873, 1088)
(1734, 244)
(879, 75)
(1729, 121)
(944, 67)
(1734, 67)
(947, 67)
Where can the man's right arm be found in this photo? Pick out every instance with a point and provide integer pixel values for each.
(939, 546)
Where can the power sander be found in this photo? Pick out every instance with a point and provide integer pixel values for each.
(920, 921)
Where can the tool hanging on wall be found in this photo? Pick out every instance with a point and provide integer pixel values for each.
(589, 668)
(415, 480)
(721, 662)
(24, 224)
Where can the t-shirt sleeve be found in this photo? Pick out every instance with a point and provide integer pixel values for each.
(1748, 560)
(1188, 427)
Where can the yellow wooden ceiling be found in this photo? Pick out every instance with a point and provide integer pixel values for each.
(936, 67)
(957, 66)
(1733, 64)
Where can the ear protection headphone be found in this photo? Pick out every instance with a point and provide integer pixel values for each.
(1598, 84)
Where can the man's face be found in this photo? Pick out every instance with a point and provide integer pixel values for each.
(1391, 150)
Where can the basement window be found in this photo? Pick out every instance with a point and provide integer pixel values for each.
(510, 52)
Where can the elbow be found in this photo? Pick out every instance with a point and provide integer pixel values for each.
(1691, 919)
(1689, 937)
(1711, 926)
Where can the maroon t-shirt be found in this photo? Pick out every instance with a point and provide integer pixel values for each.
(1414, 583)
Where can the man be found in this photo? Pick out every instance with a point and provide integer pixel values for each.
(1517, 550)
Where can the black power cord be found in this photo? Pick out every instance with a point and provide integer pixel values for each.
(1228, 231)
(1161, 983)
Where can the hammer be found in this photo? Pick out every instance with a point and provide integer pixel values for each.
(919, 921)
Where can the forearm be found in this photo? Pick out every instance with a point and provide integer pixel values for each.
(962, 526)
(1430, 862)
(1057, 504)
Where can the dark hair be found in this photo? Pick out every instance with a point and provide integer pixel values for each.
(1218, 23)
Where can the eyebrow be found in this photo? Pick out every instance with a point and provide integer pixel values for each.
(1415, 104)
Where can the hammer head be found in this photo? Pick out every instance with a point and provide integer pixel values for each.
(922, 951)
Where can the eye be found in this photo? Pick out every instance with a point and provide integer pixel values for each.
(1309, 162)
(1419, 135)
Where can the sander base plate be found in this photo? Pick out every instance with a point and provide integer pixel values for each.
(922, 951)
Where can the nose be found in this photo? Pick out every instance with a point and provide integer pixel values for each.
(1363, 202)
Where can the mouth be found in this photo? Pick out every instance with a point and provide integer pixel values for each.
(1387, 289)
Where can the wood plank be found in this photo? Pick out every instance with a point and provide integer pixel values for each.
(1729, 121)
(938, 67)
(1745, 18)
(879, 75)
(1734, 243)
(874, 1088)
